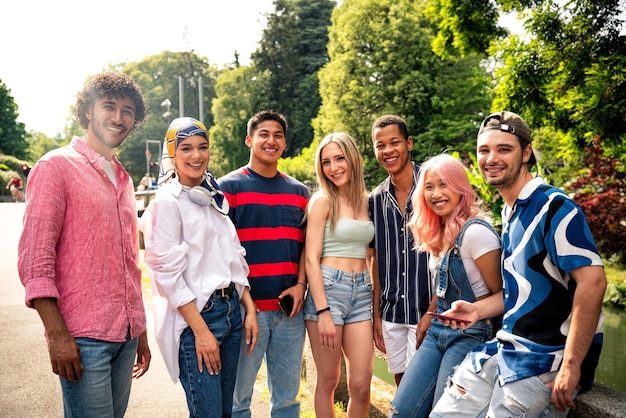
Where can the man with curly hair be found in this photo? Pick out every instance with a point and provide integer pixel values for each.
(78, 254)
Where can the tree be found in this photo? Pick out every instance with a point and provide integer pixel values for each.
(464, 26)
(292, 50)
(240, 93)
(600, 191)
(381, 62)
(157, 76)
(12, 133)
(40, 144)
(567, 71)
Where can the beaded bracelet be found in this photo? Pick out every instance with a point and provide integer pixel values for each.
(322, 310)
(303, 284)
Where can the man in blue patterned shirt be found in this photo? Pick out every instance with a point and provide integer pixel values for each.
(554, 284)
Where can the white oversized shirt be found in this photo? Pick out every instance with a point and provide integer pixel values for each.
(191, 251)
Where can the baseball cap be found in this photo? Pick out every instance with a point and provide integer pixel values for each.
(512, 123)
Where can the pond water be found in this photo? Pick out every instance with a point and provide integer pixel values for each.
(611, 371)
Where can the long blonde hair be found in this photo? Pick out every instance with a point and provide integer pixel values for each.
(348, 147)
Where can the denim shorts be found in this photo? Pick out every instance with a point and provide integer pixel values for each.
(349, 296)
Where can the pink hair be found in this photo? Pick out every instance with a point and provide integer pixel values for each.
(430, 232)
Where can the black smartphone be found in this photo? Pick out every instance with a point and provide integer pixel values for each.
(286, 304)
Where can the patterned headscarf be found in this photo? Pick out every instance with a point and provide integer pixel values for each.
(179, 130)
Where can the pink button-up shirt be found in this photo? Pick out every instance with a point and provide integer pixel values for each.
(79, 244)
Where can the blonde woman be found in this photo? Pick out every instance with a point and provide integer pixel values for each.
(338, 307)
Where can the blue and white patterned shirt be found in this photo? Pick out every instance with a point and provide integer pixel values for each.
(545, 236)
(402, 271)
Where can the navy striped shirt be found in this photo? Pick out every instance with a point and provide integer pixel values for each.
(402, 271)
(268, 214)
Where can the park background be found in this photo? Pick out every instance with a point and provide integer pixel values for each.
(443, 65)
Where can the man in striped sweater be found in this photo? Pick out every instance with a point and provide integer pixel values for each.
(267, 208)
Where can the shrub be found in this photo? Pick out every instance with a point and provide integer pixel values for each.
(615, 294)
(601, 194)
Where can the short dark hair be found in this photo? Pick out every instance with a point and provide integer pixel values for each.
(110, 85)
(263, 116)
(388, 120)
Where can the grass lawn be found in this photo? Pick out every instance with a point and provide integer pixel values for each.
(614, 274)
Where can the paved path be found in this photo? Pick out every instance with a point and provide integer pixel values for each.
(28, 388)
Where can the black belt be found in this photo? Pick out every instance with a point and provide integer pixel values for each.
(227, 291)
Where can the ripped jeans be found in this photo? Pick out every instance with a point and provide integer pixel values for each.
(427, 374)
(484, 397)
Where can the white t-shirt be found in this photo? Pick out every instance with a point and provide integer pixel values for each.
(477, 241)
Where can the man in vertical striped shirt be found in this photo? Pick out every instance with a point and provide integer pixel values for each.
(401, 279)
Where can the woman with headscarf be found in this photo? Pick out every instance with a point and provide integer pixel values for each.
(198, 274)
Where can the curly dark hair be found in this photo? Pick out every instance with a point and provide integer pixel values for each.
(110, 85)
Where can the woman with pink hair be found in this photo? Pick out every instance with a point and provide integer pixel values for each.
(465, 264)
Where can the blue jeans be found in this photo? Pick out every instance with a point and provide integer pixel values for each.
(104, 388)
(529, 397)
(427, 374)
(212, 395)
(280, 343)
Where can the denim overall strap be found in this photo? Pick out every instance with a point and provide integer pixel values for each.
(453, 281)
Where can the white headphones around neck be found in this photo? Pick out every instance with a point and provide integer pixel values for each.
(200, 196)
(203, 197)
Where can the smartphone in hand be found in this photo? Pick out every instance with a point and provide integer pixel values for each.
(448, 317)
(286, 304)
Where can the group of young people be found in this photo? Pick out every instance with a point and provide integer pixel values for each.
(243, 266)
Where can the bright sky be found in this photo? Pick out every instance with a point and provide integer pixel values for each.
(48, 48)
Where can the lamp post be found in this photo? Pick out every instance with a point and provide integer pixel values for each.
(148, 162)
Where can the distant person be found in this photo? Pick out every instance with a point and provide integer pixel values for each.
(338, 307)
(465, 265)
(15, 188)
(199, 274)
(400, 277)
(267, 208)
(145, 183)
(554, 283)
(78, 254)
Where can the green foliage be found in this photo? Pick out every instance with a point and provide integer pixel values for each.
(464, 27)
(462, 92)
(488, 196)
(13, 163)
(157, 75)
(40, 144)
(292, 50)
(240, 93)
(302, 166)
(10, 167)
(381, 62)
(601, 194)
(615, 294)
(570, 73)
(12, 132)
